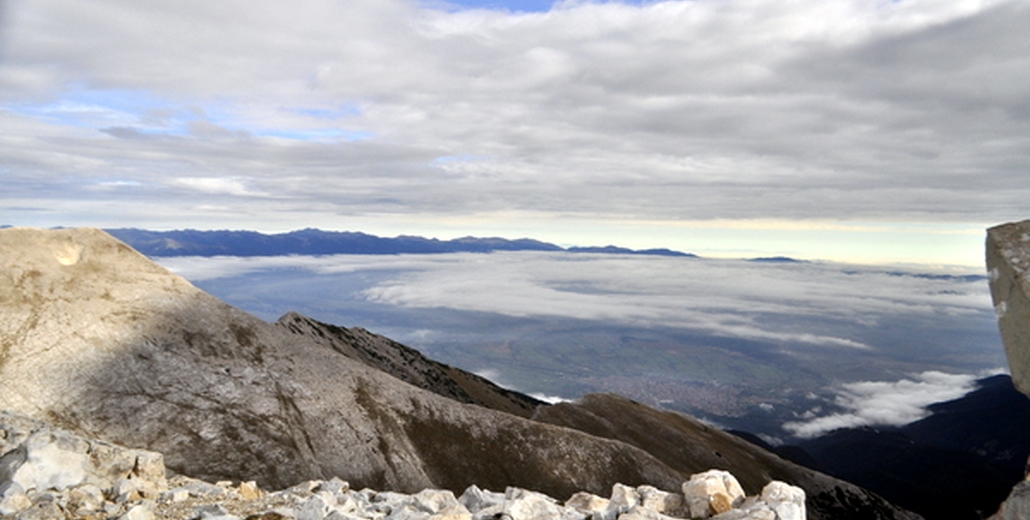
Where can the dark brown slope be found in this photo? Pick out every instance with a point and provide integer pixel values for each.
(409, 365)
(689, 446)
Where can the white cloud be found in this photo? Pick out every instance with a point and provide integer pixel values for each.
(779, 303)
(215, 185)
(887, 403)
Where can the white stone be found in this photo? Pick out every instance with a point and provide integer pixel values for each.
(787, 501)
(315, 507)
(623, 497)
(52, 462)
(475, 499)
(522, 504)
(588, 502)
(699, 491)
(436, 501)
(138, 512)
(13, 499)
(659, 501)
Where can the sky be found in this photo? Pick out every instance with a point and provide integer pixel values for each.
(850, 130)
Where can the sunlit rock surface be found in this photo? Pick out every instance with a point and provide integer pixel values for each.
(1008, 260)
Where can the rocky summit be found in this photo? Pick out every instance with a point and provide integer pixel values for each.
(99, 341)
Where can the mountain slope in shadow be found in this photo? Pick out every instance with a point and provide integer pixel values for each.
(958, 463)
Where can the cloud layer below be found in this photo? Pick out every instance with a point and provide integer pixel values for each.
(787, 304)
(884, 403)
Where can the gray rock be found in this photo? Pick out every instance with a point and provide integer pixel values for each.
(208, 511)
(522, 504)
(588, 502)
(334, 486)
(42, 510)
(475, 499)
(1008, 260)
(660, 501)
(41, 457)
(141, 512)
(623, 498)
(436, 501)
(85, 498)
(315, 507)
(13, 499)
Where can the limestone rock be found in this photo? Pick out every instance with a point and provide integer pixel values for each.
(787, 501)
(660, 501)
(711, 492)
(588, 502)
(1008, 260)
(475, 499)
(623, 497)
(36, 456)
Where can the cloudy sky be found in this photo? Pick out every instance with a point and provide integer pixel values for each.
(859, 130)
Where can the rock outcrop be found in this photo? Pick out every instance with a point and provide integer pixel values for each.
(1008, 261)
(98, 340)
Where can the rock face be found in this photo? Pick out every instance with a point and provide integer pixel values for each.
(98, 340)
(410, 366)
(1008, 260)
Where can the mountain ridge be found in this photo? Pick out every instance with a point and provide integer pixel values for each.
(311, 241)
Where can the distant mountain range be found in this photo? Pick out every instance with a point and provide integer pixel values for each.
(310, 241)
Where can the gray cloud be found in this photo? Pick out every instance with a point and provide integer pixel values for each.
(670, 110)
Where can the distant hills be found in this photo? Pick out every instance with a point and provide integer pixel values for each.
(311, 241)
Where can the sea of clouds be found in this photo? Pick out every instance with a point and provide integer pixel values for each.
(927, 334)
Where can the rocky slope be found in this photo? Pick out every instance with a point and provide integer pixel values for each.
(409, 365)
(47, 473)
(97, 339)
